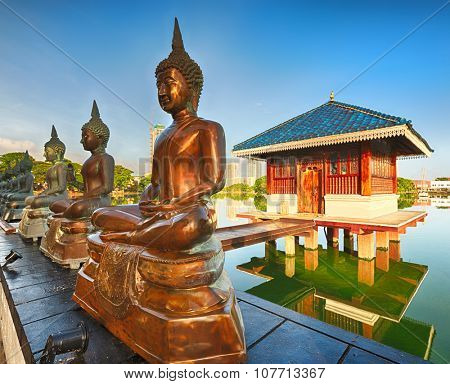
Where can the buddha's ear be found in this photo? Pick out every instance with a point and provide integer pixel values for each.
(195, 99)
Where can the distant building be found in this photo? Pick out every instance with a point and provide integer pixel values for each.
(441, 185)
(422, 185)
(155, 131)
(243, 171)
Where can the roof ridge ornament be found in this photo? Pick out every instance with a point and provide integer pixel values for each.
(331, 96)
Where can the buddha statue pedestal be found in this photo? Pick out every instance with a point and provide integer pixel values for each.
(34, 223)
(169, 307)
(13, 210)
(65, 242)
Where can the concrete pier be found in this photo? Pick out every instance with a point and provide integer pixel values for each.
(348, 241)
(366, 245)
(333, 236)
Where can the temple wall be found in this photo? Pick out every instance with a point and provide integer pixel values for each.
(357, 206)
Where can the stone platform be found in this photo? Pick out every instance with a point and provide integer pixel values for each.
(35, 301)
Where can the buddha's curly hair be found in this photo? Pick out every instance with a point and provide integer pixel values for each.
(97, 126)
(181, 60)
(55, 143)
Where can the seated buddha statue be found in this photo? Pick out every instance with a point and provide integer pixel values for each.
(65, 241)
(175, 210)
(97, 172)
(56, 176)
(34, 218)
(15, 201)
(155, 275)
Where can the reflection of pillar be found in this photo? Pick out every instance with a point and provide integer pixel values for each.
(308, 305)
(366, 246)
(382, 260)
(366, 271)
(394, 246)
(311, 259)
(289, 267)
(382, 254)
(333, 236)
(270, 250)
(348, 241)
(367, 330)
(291, 242)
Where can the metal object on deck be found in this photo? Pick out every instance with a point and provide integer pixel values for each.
(11, 258)
(72, 340)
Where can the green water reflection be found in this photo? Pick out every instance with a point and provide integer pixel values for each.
(401, 301)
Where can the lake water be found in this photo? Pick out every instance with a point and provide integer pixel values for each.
(407, 307)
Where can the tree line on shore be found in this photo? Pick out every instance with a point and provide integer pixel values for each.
(124, 180)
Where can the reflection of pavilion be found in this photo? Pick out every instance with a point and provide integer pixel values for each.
(333, 288)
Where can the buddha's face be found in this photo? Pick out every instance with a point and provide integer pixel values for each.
(89, 140)
(173, 91)
(50, 154)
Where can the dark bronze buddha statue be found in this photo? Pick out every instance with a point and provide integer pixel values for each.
(97, 172)
(65, 241)
(15, 201)
(155, 275)
(34, 219)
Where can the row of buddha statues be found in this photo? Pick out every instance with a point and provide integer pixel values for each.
(152, 273)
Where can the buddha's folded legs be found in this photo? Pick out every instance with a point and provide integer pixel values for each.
(45, 200)
(122, 218)
(60, 206)
(85, 207)
(182, 229)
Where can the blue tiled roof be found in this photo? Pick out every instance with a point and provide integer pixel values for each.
(331, 118)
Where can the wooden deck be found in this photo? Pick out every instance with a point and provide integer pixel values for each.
(248, 234)
(393, 222)
(36, 298)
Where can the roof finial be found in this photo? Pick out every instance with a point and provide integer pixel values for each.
(331, 96)
(95, 112)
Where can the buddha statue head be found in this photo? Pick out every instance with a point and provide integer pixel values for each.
(26, 164)
(54, 149)
(179, 78)
(95, 133)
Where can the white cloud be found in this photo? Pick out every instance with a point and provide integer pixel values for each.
(8, 145)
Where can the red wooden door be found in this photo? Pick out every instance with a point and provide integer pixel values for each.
(310, 190)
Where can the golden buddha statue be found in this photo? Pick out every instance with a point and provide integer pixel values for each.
(14, 202)
(34, 218)
(155, 275)
(65, 241)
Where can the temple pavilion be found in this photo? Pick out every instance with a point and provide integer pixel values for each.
(337, 159)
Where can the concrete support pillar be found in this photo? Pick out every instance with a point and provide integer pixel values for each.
(333, 236)
(348, 241)
(394, 246)
(312, 250)
(382, 241)
(312, 240)
(270, 250)
(366, 272)
(289, 266)
(291, 243)
(366, 246)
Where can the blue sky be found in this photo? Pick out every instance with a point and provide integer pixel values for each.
(263, 61)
